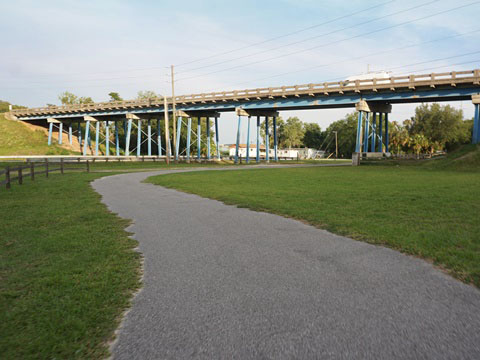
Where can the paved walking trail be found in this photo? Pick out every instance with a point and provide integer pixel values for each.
(227, 283)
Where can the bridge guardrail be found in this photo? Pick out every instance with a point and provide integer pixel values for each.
(452, 78)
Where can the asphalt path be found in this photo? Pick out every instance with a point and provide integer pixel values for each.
(222, 282)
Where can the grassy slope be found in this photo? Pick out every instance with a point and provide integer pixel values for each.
(17, 139)
(429, 211)
(67, 269)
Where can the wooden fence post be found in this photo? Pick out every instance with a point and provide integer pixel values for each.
(88, 167)
(20, 176)
(7, 177)
(32, 171)
(61, 166)
(46, 167)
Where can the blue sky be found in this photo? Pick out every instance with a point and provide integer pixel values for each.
(94, 47)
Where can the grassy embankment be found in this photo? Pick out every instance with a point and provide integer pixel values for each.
(67, 269)
(17, 139)
(430, 209)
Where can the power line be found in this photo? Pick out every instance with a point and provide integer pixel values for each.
(350, 59)
(311, 38)
(285, 35)
(333, 42)
(441, 67)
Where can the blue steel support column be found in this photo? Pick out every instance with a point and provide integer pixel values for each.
(386, 132)
(267, 141)
(179, 128)
(70, 133)
(97, 136)
(189, 134)
(60, 132)
(79, 134)
(359, 132)
(117, 142)
(199, 137)
(139, 136)
(248, 140)
(208, 138)
(107, 138)
(275, 137)
(159, 138)
(366, 133)
(149, 137)
(374, 131)
(87, 135)
(127, 137)
(476, 125)
(380, 132)
(258, 139)
(216, 138)
(50, 130)
(237, 144)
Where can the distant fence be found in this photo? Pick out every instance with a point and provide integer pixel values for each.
(16, 174)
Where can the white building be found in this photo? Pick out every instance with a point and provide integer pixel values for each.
(301, 153)
(242, 150)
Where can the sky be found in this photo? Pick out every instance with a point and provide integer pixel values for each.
(91, 48)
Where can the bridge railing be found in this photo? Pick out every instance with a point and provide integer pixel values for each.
(313, 89)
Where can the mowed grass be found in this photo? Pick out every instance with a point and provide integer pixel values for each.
(17, 139)
(67, 269)
(434, 214)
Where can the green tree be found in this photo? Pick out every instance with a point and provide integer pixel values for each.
(312, 135)
(290, 133)
(399, 137)
(147, 94)
(347, 133)
(280, 124)
(419, 142)
(439, 124)
(114, 96)
(67, 98)
(85, 100)
(5, 106)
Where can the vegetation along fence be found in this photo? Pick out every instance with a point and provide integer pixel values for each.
(18, 173)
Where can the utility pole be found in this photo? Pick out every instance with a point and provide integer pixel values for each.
(336, 145)
(167, 132)
(173, 111)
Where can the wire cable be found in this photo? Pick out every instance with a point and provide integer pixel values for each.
(287, 34)
(311, 38)
(333, 42)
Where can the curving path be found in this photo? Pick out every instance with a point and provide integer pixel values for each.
(227, 283)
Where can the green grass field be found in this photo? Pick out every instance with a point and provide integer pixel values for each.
(67, 269)
(429, 210)
(17, 139)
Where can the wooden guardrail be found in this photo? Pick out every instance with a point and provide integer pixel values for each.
(16, 173)
(393, 83)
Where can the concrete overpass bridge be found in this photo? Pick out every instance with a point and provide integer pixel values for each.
(370, 97)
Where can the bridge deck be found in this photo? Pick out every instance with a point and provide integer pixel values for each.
(412, 88)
